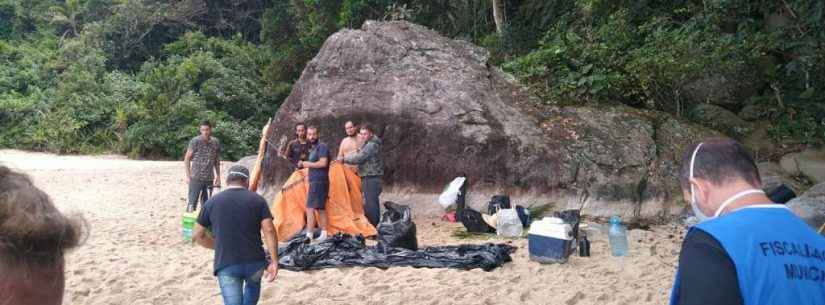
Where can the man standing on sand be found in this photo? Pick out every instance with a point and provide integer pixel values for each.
(236, 217)
(297, 149)
(349, 144)
(318, 165)
(745, 249)
(34, 238)
(370, 169)
(203, 165)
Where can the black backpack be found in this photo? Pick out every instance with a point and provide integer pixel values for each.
(471, 219)
(498, 202)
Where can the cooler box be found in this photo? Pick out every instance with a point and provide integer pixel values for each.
(549, 240)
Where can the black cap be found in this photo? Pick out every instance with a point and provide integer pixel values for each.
(238, 171)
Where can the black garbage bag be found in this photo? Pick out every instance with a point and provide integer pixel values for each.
(498, 202)
(473, 222)
(781, 194)
(343, 250)
(396, 229)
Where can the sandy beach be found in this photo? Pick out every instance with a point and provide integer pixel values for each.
(135, 253)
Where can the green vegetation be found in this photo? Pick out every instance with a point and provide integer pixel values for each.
(135, 76)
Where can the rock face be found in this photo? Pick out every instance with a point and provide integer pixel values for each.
(441, 110)
(810, 206)
(809, 163)
(720, 119)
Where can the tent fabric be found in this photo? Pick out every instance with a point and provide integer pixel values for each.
(345, 210)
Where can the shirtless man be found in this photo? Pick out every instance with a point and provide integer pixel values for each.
(349, 144)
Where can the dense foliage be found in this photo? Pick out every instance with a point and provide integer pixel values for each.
(135, 76)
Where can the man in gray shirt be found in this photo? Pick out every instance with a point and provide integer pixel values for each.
(203, 165)
(370, 169)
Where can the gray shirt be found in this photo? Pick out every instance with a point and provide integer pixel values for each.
(204, 157)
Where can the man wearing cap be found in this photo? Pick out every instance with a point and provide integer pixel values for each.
(237, 217)
(203, 165)
(318, 176)
(745, 249)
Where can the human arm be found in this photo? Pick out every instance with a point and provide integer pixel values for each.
(321, 163)
(187, 160)
(199, 235)
(217, 181)
(203, 239)
(369, 150)
(270, 241)
(706, 272)
(322, 152)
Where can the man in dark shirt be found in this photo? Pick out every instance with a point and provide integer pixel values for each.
(318, 164)
(203, 165)
(297, 149)
(236, 217)
(745, 249)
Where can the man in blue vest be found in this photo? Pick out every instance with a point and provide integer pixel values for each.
(745, 249)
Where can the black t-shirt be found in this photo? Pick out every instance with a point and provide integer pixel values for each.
(318, 151)
(706, 272)
(235, 216)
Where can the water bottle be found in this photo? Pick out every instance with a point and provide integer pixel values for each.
(584, 246)
(617, 235)
(188, 226)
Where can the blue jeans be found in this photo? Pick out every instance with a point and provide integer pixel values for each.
(232, 279)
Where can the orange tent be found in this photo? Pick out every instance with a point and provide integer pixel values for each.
(345, 211)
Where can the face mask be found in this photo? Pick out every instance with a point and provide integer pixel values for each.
(695, 206)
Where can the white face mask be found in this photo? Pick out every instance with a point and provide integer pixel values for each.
(695, 206)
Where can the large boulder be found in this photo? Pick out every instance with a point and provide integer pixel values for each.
(442, 110)
(719, 89)
(810, 206)
(809, 163)
(773, 177)
(720, 119)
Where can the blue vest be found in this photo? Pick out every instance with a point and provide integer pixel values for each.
(778, 258)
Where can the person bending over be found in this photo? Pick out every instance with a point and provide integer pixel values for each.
(745, 249)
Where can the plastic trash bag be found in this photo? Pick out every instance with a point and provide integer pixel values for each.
(396, 229)
(342, 250)
(473, 221)
(508, 224)
(451, 192)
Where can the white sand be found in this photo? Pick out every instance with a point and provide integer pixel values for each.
(135, 254)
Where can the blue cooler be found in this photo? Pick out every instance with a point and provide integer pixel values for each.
(549, 240)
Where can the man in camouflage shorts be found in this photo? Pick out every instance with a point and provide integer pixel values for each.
(203, 165)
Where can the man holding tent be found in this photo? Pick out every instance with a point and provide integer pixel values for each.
(370, 169)
(318, 177)
(745, 249)
(349, 144)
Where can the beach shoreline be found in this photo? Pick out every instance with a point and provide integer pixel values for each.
(135, 253)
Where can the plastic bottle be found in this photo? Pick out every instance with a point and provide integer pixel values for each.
(584, 246)
(617, 235)
(188, 226)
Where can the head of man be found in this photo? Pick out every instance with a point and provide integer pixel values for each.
(34, 236)
(238, 175)
(312, 134)
(365, 132)
(716, 172)
(206, 129)
(349, 127)
(301, 131)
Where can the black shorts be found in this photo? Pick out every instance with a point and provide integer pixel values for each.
(318, 193)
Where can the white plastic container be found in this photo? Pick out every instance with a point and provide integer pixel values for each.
(549, 240)
(508, 224)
